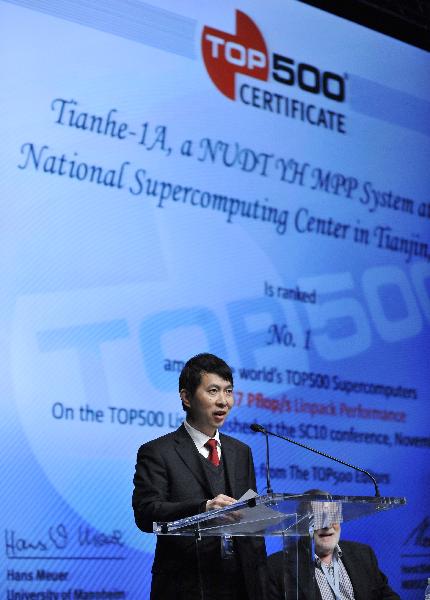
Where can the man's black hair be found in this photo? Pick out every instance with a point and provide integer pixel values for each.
(191, 375)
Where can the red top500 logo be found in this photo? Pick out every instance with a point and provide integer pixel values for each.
(245, 52)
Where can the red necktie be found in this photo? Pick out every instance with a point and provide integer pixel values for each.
(213, 453)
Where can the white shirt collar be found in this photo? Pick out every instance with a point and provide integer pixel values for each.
(200, 438)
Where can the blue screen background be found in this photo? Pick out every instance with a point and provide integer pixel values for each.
(111, 281)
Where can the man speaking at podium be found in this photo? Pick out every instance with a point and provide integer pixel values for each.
(192, 470)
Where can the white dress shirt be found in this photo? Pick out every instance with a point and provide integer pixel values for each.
(200, 440)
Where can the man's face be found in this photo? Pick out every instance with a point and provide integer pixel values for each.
(210, 404)
(326, 540)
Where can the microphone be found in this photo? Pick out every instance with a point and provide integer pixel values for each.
(260, 429)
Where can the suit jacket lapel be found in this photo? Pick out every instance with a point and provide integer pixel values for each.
(352, 565)
(229, 461)
(308, 585)
(188, 453)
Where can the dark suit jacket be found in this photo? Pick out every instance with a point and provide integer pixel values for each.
(170, 483)
(368, 582)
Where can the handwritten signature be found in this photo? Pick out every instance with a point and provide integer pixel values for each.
(58, 537)
(420, 535)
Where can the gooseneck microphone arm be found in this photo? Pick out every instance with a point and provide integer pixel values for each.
(259, 428)
(268, 486)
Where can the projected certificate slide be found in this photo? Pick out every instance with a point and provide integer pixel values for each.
(241, 179)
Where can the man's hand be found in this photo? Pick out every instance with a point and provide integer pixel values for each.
(220, 501)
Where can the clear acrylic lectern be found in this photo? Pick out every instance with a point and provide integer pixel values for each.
(287, 519)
